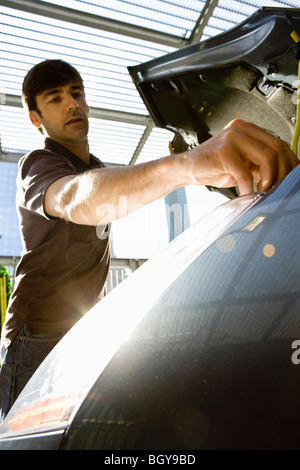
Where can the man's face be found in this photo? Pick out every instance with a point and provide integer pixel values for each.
(63, 112)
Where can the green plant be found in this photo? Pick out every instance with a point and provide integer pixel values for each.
(5, 272)
(5, 292)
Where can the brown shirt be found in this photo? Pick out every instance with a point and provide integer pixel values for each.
(63, 266)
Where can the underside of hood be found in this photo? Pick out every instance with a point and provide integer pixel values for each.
(249, 72)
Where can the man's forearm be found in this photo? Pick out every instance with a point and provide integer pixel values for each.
(102, 195)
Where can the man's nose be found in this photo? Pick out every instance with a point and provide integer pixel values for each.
(72, 103)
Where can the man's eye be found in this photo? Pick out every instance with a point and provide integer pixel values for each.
(54, 100)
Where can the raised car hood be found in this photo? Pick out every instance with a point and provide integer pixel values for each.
(249, 72)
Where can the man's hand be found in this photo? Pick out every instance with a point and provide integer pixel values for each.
(239, 155)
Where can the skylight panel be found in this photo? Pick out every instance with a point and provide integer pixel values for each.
(114, 142)
(28, 39)
(228, 13)
(177, 17)
(17, 133)
(156, 146)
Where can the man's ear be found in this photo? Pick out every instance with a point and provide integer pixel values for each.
(35, 118)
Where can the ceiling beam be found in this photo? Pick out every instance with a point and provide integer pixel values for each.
(203, 19)
(10, 157)
(94, 21)
(99, 113)
(141, 144)
(121, 116)
(14, 157)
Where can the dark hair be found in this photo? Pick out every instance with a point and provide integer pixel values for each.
(44, 76)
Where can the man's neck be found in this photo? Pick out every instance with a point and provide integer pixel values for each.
(80, 150)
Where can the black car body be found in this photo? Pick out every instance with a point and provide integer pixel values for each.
(200, 347)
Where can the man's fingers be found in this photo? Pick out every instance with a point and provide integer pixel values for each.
(240, 155)
(242, 176)
(287, 160)
(250, 161)
(270, 157)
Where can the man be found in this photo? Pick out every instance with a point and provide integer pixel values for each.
(64, 193)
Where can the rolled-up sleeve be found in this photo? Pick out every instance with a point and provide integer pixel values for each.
(37, 172)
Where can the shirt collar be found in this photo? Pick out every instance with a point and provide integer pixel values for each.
(54, 146)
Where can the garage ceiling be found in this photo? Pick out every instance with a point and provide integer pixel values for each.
(101, 39)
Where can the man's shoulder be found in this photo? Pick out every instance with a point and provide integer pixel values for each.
(42, 158)
(34, 154)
